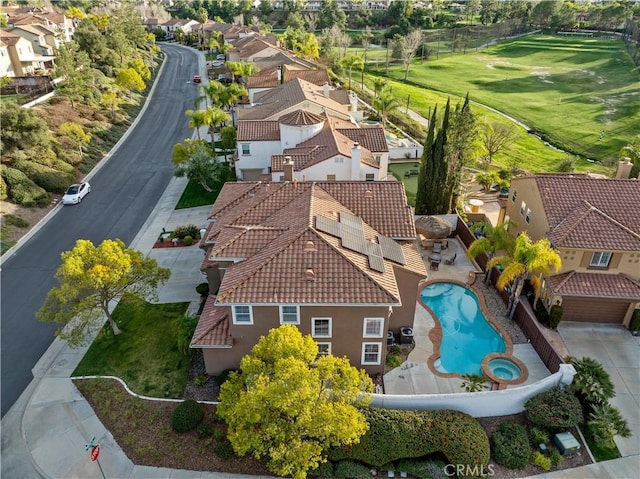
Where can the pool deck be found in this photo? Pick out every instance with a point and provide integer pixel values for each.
(414, 375)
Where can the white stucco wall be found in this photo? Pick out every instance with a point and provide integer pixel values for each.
(259, 155)
(342, 170)
(292, 135)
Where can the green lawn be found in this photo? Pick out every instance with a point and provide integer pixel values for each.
(145, 355)
(195, 195)
(571, 89)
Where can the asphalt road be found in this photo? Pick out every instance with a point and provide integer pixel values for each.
(124, 191)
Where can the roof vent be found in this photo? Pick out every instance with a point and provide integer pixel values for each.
(368, 194)
(309, 275)
(310, 247)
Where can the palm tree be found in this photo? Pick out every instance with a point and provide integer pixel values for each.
(215, 116)
(385, 104)
(592, 382)
(210, 92)
(351, 62)
(605, 421)
(198, 118)
(493, 239)
(526, 259)
(242, 69)
(378, 84)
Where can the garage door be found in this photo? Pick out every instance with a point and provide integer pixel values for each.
(594, 310)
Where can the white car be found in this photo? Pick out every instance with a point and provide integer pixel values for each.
(75, 193)
(217, 63)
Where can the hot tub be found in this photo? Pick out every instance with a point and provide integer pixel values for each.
(504, 369)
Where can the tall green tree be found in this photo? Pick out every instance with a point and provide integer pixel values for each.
(526, 260)
(196, 161)
(23, 129)
(76, 134)
(331, 14)
(90, 279)
(289, 406)
(72, 65)
(434, 193)
(385, 103)
(461, 145)
(130, 80)
(197, 119)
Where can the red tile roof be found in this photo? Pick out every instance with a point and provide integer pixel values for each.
(213, 327)
(612, 286)
(274, 224)
(372, 138)
(258, 130)
(301, 117)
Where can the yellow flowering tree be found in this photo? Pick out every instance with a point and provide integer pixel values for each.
(289, 406)
(90, 279)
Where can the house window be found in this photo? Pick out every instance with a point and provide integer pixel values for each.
(338, 159)
(513, 196)
(246, 149)
(378, 159)
(372, 327)
(281, 177)
(331, 177)
(600, 259)
(369, 177)
(528, 217)
(321, 327)
(324, 349)
(242, 314)
(523, 208)
(371, 353)
(289, 314)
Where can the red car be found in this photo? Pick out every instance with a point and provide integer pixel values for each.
(197, 79)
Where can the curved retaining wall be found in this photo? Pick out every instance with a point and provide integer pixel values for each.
(478, 404)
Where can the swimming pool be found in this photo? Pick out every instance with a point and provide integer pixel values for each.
(467, 335)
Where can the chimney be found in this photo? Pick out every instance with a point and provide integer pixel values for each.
(309, 275)
(356, 158)
(288, 168)
(326, 89)
(280, 75)
(624, 168)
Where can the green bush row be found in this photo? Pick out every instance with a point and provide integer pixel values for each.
(22, 190)
(396, 434)
(50, 179)
(554, 409)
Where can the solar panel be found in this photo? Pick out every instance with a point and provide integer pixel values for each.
(376, 263)
(373, 249)
(328, 225)
(351, 220)
(391, 250)
(353, 238)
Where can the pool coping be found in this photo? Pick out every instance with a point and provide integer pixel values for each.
(501, 382)
(435, 335)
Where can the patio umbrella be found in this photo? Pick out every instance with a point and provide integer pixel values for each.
(433, 227)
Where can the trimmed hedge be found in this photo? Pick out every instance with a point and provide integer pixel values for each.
(395, 434)
(423, 469)
(554, 409)
(22, 190)
(510, 446)
(186, 416)
(325, 469)
(351, 470)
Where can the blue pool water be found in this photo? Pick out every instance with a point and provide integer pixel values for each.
(467, 336)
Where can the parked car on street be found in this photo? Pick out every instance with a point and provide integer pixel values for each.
(75, 193)
(197, 79)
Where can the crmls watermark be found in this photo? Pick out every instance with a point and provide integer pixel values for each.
(469, 470)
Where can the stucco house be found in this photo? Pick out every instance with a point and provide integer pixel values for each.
(277, 75)
(249, 48)
(594, 224)
(337, 259)
(24, 61)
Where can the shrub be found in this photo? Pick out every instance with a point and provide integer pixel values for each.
(592, 383)
(555, 316)
(567, 165)
(220, 435)
(3, 189)
(187, 240)
(201, 380)
(351, 469)
(189, 230)
(50, 179)
(16, 221)
(325, 469)
(393, 360)
(538, 436)
(24, 191)
(556, 408)
(423, 469)
(395, 434)
(186, 416)
(204, 430)
(224, 450)
(222, 377)
(542, 461)
(555, 456)
(202, 289)
(185, 326)
(510, 446)
(634, 324)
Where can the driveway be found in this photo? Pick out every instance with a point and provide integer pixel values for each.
(619, 353)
